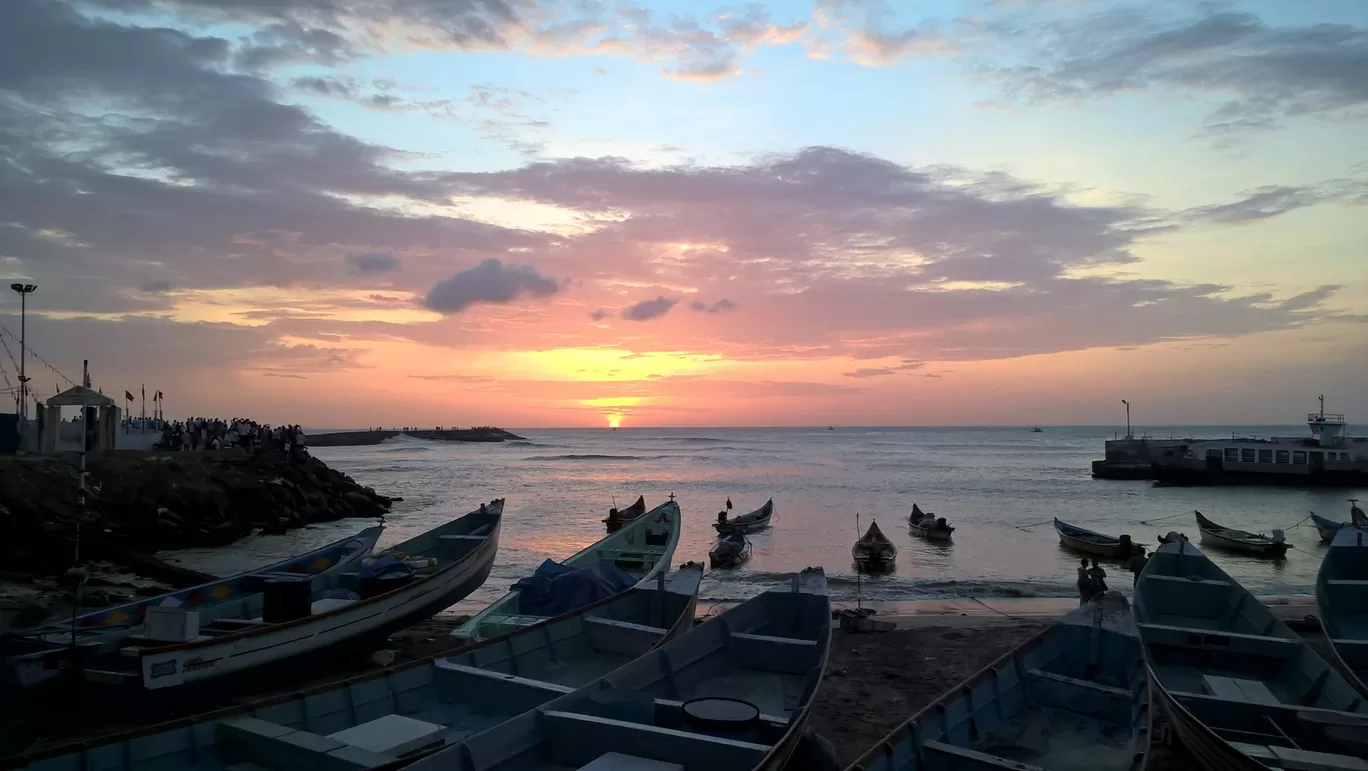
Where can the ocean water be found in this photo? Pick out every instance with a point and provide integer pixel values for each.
(999, 487)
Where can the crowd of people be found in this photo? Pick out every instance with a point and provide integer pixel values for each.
(217, 434)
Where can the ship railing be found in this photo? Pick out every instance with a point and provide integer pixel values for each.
(1328, 418)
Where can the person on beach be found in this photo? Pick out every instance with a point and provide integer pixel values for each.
(1137, 566)
(1098, 578)
(1084, 582)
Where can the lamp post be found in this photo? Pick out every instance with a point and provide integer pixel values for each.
(24, 291)
(1128, 428)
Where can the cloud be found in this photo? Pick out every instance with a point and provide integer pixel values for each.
(372, 263)
(868, 33)
(721, 306)
(865, 372)
(600, 314)
(489, 282)
(649, 309)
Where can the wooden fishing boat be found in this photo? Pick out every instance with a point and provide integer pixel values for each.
(1342, 599)
(342, 613)
(1242, 690)
(616, 517)
(41, 653)
(1328, 527)
(874, 552)
(396, 715)
(729, 551)
(1098, 544)
(748, 523)
(1075, 696)
(1240, 540)
(643, 547)
(733, 693)
(927, 526)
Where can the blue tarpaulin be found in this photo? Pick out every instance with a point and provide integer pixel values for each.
(555, 589)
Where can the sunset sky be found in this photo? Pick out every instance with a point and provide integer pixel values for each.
(852, 212)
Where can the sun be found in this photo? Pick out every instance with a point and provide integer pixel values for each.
(614, 419)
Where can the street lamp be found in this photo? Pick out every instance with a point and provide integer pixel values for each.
(24, 291)
(1128, 428)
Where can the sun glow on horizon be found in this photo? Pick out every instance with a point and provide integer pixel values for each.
(614, 419)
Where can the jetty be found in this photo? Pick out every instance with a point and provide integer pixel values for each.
(363, 438)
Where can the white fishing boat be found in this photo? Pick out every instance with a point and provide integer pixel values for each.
(642, 547)
(1230, 539)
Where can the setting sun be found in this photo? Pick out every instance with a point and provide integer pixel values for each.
(614, 420)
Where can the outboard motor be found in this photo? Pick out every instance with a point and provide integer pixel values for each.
(1278, 536)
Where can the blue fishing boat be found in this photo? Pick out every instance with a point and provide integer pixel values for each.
(1342, 599)
(394, 716)
(641, 547)
(41, 653)
(731, 694)
(1242, 690)
(1073, 698)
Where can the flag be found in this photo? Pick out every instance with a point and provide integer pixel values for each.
(729, 503)
(158, 397)
(144, 391)
(128, 396)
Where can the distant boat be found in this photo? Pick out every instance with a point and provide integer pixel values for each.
(616, 517)
(1241, 690)
(1073, 696)
(748, 523)
(1099, 544)
(831, 428)
(643, 547)
(1342, 597)
(873, 551)
(1239, 540)
(729, 551)
(1037, 431)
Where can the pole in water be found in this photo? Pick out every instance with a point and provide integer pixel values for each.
(859, 604)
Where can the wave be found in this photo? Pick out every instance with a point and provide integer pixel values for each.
(599, 457)
(693, 439)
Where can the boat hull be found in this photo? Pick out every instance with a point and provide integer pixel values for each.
(748, 523)
(1183, 475)
(1221, 537)
(1341, 599)
(1081, 540)
(931, 534)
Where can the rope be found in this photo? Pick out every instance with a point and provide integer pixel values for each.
(35, 355)
(1299, 524)
(1037, 524)
(999, 612)
(1161, 519)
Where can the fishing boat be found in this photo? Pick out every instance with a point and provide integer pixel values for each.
(928, 526)
(1242, 691)
(302, 623)
(1073, 697)
(1241, 541)
(642, 548)
(396, 715)
(748, 523)
(1342, 599)
(729, 551)
(41, 653)
(1098, 544)
(733, 693)
(1328, 527)
(874, 552)
(616, 517)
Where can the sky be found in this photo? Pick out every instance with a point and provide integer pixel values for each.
(580, 213)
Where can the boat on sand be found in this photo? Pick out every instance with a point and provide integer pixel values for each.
(1230, 539)
(642, 548)
(1098, 544)
(747, 523)
(1242, 691)
(617, 517)
(1074, 696)
(1342, 602)
(874, 552)
(729, 551)
(733, 693)
(393, 716)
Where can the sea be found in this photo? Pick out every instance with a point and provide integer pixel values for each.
(1001, 488)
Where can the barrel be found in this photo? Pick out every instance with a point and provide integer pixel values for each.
(286, 598)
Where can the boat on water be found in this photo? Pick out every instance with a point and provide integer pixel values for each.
(1243, 692)
(1328, 527)
(1098, 544)
(391, 717)
(747, 523)
(734, 693)
(1037, 430)
(1073, 698)
(642, 548)
(1329, 456)
(617, 517)
(220, 608)
(928, 525)
(1342, 601)
(873, 552)
(729, 551)
(306, 624)
(1274, 546)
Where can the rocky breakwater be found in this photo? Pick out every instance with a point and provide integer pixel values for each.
(363, 438)
(141, 502)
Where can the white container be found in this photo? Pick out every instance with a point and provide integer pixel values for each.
(171, 624)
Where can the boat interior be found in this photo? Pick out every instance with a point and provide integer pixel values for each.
(405, 713)
(1224, 656)
(638, 548)
(1044, 706)
(1344, 586)
(721, 696)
